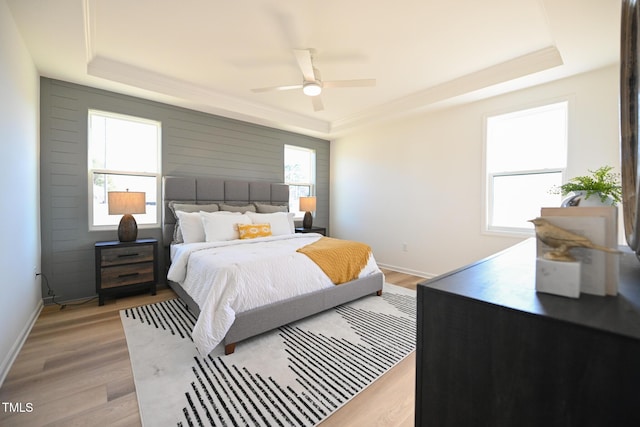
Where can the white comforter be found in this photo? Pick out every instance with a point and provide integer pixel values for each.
(225, 278)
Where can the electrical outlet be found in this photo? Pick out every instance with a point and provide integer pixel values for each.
(35, 272)
(405, 248)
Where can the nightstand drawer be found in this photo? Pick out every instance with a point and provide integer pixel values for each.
(126, 255)
(127, 274)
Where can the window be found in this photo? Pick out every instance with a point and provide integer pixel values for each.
(526, 155)
(300, 174)
(124, 154)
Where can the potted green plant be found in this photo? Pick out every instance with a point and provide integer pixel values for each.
(602, 184)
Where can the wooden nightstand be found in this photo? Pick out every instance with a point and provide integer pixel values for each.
(321, 230)
(123, 267)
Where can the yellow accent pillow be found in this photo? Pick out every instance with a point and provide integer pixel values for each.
(251, 231)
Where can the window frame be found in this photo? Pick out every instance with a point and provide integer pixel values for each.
(490, 205)
(91, 172)
(488, 181)
(310, 185)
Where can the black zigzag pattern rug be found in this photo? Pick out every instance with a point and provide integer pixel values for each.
(296, 375)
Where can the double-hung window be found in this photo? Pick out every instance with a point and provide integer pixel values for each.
(526, 155)
(123, 155)
(300, 174)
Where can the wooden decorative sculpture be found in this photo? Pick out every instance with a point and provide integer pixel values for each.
(562, 240)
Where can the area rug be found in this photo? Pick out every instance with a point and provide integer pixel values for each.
(298, 374)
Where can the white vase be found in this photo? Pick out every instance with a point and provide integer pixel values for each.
(580, 199)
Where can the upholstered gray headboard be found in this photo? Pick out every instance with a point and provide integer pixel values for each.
(205, 190)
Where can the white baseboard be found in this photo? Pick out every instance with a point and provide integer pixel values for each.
(17, 346)
(407, 271)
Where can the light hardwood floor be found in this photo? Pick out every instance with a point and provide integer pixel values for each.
(74, 370)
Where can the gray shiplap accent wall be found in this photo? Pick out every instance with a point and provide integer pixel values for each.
(193, 143)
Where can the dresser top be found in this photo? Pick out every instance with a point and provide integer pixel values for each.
(507, 279)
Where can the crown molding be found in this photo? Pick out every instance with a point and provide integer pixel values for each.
(204, 99)
(525, 65)
(89, 29)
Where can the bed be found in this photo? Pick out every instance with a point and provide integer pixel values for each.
(191, 193)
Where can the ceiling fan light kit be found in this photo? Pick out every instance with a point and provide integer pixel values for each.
(311, 89)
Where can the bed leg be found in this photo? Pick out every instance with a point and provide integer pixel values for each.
(229, 348)
(379, 293)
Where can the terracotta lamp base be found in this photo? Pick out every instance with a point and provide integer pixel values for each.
(307, 221)
(128, 229)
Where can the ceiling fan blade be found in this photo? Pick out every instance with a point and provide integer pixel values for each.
(317, 103)
(350, 83)
(275, 88)
(303, 56)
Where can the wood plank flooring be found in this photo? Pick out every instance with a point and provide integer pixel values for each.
(74, 370)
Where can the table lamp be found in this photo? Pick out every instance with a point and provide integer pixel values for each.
(126, 203)
(307, 204)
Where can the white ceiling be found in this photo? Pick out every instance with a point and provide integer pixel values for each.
(209, 54)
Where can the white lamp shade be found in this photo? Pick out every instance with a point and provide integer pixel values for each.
(307, 204)
(126, 202)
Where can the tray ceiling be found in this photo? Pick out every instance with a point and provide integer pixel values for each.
(208, 55)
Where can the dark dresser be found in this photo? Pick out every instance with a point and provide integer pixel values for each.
(493, 352)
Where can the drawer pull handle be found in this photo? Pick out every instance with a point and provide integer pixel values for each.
(128, 275)
(126, 255)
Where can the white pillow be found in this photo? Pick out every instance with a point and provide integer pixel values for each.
(222, 225)
(281, 222)
(190, 226)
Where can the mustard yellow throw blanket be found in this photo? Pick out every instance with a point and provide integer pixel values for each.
(341, 260)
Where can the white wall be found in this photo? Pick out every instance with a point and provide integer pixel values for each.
(20, 294)
(419, 180)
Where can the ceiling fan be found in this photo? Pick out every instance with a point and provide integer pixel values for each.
(311, 84)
